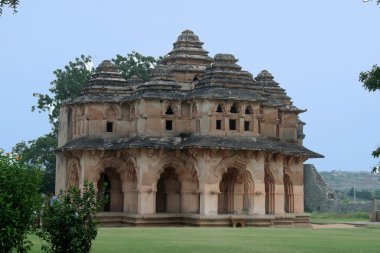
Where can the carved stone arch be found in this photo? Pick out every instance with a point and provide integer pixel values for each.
(192, 166)
(220, 108)
(73, 176)
(109, 162)
(131, 170)
(269, 190)
(170, 108)
(112, 112)
(236, 186)
(235, 161)
(167, 162)
(248, 110)
(289, 195)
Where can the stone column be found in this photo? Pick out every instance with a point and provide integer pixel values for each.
(259, 198)
(146, 200)
(298, 199)
(373, 213)
(189, 198)
(238, 198)
(279, 201)
(209, 199)
(130, 197)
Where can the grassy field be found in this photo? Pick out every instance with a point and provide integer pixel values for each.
(222, 240)
(339, 217)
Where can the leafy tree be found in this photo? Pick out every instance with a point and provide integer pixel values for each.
(40, 152)
(10, 3)
(135, 64)
(20, 201)
(371, 82)
(68, 222)
(68, 84)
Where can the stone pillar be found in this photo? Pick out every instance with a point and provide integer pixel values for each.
(298, 199)
(130, 197)
(259, 198)
(60, 172)
(146, 200)
(373, 212)
(189, 198)
(209, 199)
(238, 198)
(279, 201)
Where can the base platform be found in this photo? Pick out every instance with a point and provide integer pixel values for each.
(120, 219)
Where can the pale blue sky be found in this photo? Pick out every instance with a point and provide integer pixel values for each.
(315, 50)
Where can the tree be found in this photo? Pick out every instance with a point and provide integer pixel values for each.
(68, 84)
(40, 152)
(10, 3)
(20, 201)
(135, 64)
(371, 82)
(68, 222)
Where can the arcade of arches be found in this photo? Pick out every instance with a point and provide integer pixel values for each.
(230, 184)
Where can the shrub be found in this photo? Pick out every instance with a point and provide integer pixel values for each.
(20, 201)
(68, 223)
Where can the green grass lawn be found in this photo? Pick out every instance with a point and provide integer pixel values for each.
(339, 217)
(209, 240)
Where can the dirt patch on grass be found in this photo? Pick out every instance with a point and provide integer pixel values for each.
(338, 225)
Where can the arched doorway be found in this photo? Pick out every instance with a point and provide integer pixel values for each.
(269, 191)
(110, 188)
(289, 198)
(236, 192)
(168, 195)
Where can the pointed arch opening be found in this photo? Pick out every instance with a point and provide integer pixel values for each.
(168, 195)
(219, 108)
(110, 189)
(236, 192)
(248, 110)
(169, 110)
(269, 192)
(234, 108)
(289, 197)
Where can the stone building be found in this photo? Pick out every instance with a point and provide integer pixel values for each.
(202, 143)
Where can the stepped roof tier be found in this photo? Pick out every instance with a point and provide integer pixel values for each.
(188, 55)
(106, 85)
(224, 79)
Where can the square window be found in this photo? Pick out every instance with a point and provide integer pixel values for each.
(169, 125)
(247, 126)
(109, 127)
(232, 124)
(219, 124)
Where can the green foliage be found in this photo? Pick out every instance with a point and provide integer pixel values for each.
(135, 64)
(20, 201)
(362, 194)
(371, 79)
(10, 3)
(40, 152)
(339, 217)
(68, 84)
(371, 82)
(68, 225)
(376, 194)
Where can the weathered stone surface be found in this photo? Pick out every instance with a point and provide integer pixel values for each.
(201, 143)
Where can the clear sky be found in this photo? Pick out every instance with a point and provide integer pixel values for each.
(315, 50)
